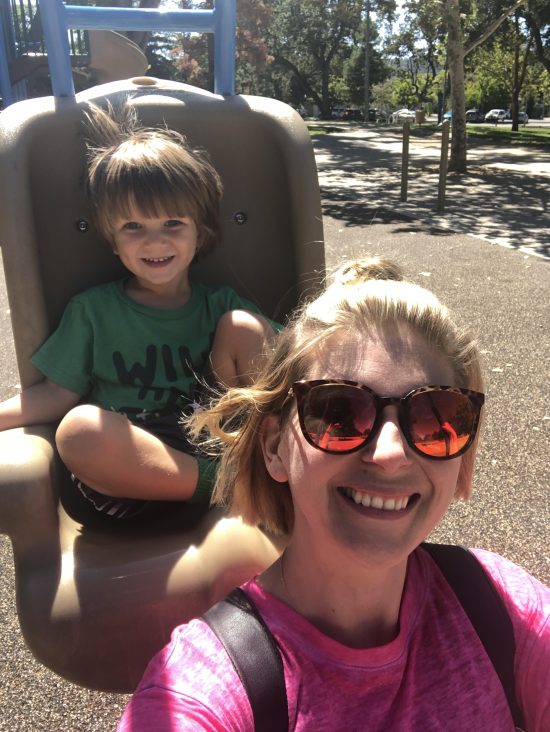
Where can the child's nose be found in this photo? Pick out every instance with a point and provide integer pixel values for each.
(155, 235)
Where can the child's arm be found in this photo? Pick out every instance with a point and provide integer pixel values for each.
(43, 402)
(241, 341)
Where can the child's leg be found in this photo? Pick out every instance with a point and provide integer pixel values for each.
(115, 457)
(240, 342)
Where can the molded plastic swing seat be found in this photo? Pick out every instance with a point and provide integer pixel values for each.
(96, 602)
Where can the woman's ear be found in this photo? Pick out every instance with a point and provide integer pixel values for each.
(270, 439)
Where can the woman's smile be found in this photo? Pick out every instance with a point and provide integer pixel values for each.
(362, 499)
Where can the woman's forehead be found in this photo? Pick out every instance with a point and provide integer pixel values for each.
(389, 356)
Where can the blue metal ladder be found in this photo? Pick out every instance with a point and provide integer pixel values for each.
(58, 19)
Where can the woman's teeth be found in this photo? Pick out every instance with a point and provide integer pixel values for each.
(385, 504)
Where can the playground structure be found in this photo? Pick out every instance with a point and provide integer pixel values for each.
(49, 33)
(96, 602)
(99, 54)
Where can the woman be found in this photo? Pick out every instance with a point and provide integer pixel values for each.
(357, 436)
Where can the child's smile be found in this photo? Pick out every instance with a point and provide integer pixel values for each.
(158, 261)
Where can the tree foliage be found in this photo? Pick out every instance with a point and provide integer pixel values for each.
(418, 47)
(311, 39)
(537, 18)
(439, 32)
(309, 51)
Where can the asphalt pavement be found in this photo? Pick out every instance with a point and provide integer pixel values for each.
(487, 257)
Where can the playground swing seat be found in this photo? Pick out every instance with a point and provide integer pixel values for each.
(96, 602)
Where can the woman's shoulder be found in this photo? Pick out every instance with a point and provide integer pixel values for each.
(194, 656)
(524, 595)
(194, 678)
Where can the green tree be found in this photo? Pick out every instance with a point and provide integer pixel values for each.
(537, 18)
(310, 40)
(418, 47)
(353, 77)
(479, 30)
(467, 24)
(505, 71)
(193, 54)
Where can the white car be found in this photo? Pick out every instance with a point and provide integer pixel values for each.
(401, 115)
(495, 115)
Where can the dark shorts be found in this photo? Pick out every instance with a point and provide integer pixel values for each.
(168, 429)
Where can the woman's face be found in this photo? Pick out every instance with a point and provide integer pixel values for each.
(408, 494)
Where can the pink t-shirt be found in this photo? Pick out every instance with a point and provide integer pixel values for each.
(435, 676)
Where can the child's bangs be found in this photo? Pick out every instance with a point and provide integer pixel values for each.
(150, 196)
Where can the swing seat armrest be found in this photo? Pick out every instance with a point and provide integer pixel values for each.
(28, 498)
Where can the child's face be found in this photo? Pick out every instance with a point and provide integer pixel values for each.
(157, 251)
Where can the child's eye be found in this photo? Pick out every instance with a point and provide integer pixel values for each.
(131, 225)
(171, 223)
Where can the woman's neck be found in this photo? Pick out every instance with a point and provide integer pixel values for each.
(356, 605)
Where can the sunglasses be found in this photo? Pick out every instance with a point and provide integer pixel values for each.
(339, 417)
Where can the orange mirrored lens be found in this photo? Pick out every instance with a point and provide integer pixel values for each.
(440, 422)
(338, 418)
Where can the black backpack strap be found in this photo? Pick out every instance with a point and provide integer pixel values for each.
(486, 611)
(255, 656)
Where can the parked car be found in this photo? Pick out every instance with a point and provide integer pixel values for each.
(400, 115)
(377, 115)
(495, 115)
(523, 117)
(353, 115)
(474, 115)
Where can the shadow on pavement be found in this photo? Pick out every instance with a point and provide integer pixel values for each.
(359, 174)
(358, 213)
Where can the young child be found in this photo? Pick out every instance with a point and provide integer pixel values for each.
(126, 359)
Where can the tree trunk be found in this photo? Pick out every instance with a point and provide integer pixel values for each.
(519, 73)
(515, 83)
(455, 57)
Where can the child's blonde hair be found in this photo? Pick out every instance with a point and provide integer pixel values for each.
(149, 169)
(366, 296)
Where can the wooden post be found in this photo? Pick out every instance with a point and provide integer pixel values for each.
(443, 165)
(405, 160)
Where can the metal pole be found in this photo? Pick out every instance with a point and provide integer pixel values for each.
(405, 160)
(54, 25)
(225, 13)
(443, 165)
(5, 82)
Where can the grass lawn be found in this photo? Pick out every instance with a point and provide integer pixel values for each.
(527, 136)
(502, 134)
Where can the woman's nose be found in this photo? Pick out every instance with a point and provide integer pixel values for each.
(388, 449)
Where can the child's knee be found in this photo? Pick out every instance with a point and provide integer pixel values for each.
(79, 431)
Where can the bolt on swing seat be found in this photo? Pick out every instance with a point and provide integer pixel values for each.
(96, 602)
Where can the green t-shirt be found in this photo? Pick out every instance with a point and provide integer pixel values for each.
(132, 358)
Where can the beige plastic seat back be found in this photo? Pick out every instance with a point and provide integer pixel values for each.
(95, 603)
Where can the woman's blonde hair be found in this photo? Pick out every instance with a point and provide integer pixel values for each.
(151, 169)
(366, 295)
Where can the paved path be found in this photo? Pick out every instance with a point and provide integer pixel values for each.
(502, 294)
(504, 198)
